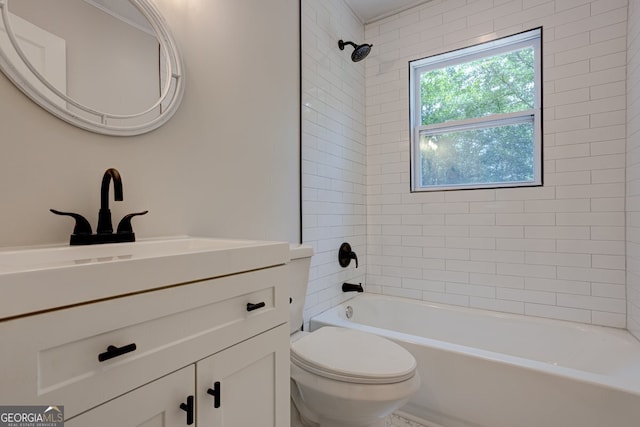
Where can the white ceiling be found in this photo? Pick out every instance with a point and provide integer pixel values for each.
(367, 10)
(123, 10)
(372, 10)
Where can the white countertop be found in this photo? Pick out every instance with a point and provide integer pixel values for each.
(43, 278)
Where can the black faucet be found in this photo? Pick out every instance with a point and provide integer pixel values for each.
(104, 214)
(82, 234)
(350, 287)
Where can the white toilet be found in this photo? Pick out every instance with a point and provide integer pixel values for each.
(342, 377)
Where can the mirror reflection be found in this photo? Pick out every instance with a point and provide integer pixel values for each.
(104, 55)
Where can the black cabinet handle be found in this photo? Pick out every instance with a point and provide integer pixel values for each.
(251, 307)
(188, 408)
(215, 392)
(113, 351)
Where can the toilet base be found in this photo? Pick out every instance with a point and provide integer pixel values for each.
(305, 417)
(298, 420)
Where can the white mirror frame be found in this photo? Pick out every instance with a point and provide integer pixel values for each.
(169, 100)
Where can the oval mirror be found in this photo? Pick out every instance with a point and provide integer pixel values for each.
(108, 66)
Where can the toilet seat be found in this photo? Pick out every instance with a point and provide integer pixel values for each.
(352, 356)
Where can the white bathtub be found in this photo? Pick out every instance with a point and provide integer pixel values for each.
(486, 369)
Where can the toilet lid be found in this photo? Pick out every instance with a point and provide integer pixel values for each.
(352, 356)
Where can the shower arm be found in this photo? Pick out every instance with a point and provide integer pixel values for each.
(341, 44)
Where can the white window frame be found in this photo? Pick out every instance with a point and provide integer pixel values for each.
(531, 38)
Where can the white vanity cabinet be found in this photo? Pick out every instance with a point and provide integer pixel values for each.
(243, 386)
(152, 405)
(134, 360)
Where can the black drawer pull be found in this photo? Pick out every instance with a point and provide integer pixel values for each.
(251, 307)
(216, 393)
(188, 408)
(113, 351)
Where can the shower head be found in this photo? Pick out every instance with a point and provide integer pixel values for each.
(359, 51)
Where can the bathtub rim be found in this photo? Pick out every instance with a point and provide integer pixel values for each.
(619, 383)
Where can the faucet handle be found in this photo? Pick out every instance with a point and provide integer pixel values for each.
(82, 225)
(124, 227)
(345, 255)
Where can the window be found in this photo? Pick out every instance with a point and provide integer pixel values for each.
(476, 116)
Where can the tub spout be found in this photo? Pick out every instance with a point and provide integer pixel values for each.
(350, 287)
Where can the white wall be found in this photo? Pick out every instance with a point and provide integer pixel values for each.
(555, 251)
(633, 169)
(333, 150)
(225, 165)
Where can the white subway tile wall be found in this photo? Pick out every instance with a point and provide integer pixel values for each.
(554, 251)
(633, 169)
(333, 150)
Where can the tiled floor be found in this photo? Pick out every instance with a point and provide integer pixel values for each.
(397, 421)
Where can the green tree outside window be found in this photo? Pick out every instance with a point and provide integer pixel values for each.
(476, 121)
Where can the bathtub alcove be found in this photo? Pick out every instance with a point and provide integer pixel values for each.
(486, 369)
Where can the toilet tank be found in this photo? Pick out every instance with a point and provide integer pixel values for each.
(298, 277)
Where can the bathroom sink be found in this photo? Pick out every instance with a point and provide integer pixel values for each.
(43, 278)
(58, 256)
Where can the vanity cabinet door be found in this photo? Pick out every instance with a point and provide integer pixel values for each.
(156, 404)
(247, 384)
